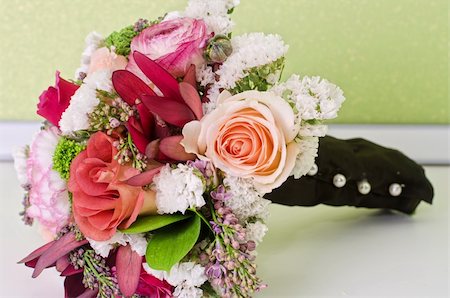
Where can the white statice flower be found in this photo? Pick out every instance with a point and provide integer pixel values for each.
(92, 42)
(213, 12)
(249, 50)
(255, 231)
(178, 189)
(84, 101)
(20, 156)
(185, 277)
(314, 98)
(137, 242)
(305, 159)
(245, 200)
(205, 75)
(312, 130)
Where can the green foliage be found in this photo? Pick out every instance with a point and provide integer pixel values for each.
(171, 244)
(65, 152)
(121, 40)
(260, 78)
(154, 222)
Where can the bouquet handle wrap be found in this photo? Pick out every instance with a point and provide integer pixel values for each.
(358, 160)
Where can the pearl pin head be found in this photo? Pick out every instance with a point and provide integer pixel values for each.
(395, 189)
(339, 180)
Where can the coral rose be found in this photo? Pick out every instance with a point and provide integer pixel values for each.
(249, 135)
(173, 44)
(102, 200)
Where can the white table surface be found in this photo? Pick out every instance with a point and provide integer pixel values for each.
(308, 252)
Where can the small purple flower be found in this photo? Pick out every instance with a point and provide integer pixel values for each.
(200, 165)
(215, 270)
(216, 228)
(220, 194)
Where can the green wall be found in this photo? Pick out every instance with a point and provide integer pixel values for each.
(389, 56)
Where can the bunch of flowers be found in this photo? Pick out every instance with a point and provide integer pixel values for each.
(149, 173)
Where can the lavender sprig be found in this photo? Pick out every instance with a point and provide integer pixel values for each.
(96, 274)
(229, 262)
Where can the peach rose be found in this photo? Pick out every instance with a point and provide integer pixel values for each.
(249, 135)
(104, 59)
(102, 201)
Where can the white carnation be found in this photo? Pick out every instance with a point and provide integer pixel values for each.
(186, 277)
(305, 159)
(20, 156)
(245, 201)
(178, 189)
(249, 50)
(255, 231)
(84, 101)
(93, 41)
(137, 242)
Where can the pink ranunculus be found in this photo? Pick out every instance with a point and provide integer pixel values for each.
(49, 199)
(102, 200)
(173, 44)
(104, 59)
(249, 135)
(55, 100)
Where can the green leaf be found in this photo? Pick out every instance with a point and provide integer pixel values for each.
(170, 244)
(153, 222)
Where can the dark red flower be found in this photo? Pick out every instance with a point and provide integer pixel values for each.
(162, 111)
(55, 254)
(55, 100)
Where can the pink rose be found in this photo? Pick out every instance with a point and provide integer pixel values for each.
(249, 135)
(55, 100)
(102, 201)
(104, 59)
(173, 44)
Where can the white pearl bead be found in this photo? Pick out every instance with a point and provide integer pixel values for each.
(364, 187)
(395, 189)
(314, 170)
(339, 180)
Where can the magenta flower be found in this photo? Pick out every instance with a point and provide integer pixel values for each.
(150, 286)
(55, 100)
(156, 130)
(173, 44)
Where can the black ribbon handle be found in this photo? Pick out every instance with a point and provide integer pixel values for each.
(358, 160)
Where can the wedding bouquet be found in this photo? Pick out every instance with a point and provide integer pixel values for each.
(149, 173)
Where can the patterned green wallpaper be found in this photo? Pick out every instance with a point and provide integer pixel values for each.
(389, 56)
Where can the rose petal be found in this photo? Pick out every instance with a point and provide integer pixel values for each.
(191, 133)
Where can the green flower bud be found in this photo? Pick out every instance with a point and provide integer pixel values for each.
(219, 49)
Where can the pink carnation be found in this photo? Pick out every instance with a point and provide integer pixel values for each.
(49, 200)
